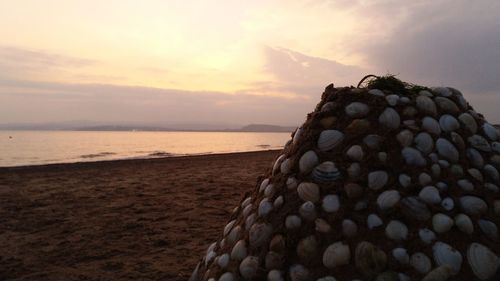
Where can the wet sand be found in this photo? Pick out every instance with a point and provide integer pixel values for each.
(119, 220)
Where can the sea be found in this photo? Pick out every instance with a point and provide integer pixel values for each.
(22, 148)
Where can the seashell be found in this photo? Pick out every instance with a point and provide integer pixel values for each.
(293, 222)
(299, 273)
(377, 179)
(286, 166)
(297, 135)
(329, 139)
(448, 204)
(495, 160)
(388, 199)
(361, 205)
(358, 126)
(388, 276)
(248, 267)
(447, 150)
(404, 99)
(457, 140)
(413, 157)
(373, 221)
(441, 91)
(247, 210)
(424, 142)
(465, 184)
(223, 261)
(472, 205)
(491, 172)
(409, 112)
(307, 248)
(239, 251)
(269, 190)
(328, 106)
(491, 187)
(392, 100)
(468, 122)
(424, 179)
(278, 244)
(420, 262)
(265, 207)
(401, 255)
(404, 180)
(308, 161)
(274, 275)
(325, 172)
(327, 278)
(464, 223)
(373, 141)
(227, 276)
(441, 223)
(476, 174)
(390, 118)
(328, 122)
(490, 131)
(259, 234)
(448, 123)
(430, 195)
(489, 228)
(349, 228)
(436, 170)
(331, 203)
(233, 236)
(396, 230)
(444, 163)
(322, 226)
(446, 105)
(405, 138)
(308, 211)
(336, 254)
(369, 259)
(246, 202)
(457, 170)
(353, 190)
(426, 235)
(277, 163)
(475, 157)
(426, 105)
(355, 152)
(308, 191)
(278, 202)
(291, 183)
(228, 227)
(413, 208)
(483, 262)
(382, 156)
(263, 185)
(376, 92)
(357, 110)
(479, 143)
(445, 254)
(354, 170)
(441, 273)
(495, 146)
(431, 125)
(249, 221)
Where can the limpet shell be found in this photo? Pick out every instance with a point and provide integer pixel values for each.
(329, 139)
(483, 262)
(336, 254)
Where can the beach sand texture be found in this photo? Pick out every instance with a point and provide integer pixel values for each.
(119, 220)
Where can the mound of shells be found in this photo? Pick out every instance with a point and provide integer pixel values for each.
(377, 184)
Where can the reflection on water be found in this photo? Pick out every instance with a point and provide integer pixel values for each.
(43, 147)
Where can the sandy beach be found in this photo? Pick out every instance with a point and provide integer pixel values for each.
(119, 220)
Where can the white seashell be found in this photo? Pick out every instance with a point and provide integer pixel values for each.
(404, 180)
(447, 150)
(331, 203)
(293, 222)
(278, 202)
(227, 276)
(475, 157)
(420, 262)
(448, 204)
(223, 261)
(299, 273)
(322, 226)
(491, 172)
(426, 105)
(479, 143)
(446, 105)
(490, 131)
(405, 138)
(396, 230)
(464, 223)
(376, 92)
(413, 157)
(329, 139)
(445, 254)
(274, 275)
(373, 221)
(483, 262)
(308, 191)
(349, 228)
(248, 267)
(277, 163)
(424, 142)
(291, 183)
(465, 184)
(489, 228)
(336, 254)
(269, 191)
(390, 118)
(448, 123)
(441, 223)
(308, 211)
(444, 163)
(239, 251)
(249, 221)
(263, 185)
(388, 199)
(357, 110)
(286, 166)
(297, 135)
(392, 100)
(228, 227)
(259, 234)
(377, 179)
(430, 195)
(431, 125)
(441, 273)
(329, 106)
(326, 172)
(355, 152)
(472, 205)
(441, 91)
(246, 202)
(265, 207)
(426, 235)
(354, 170)
(247, 210)
(424, 179)
(308, 161)
(404, 99)
(233, 236)
(469, 122)
(401, 255)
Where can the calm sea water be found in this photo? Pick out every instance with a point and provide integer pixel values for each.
(43, 147)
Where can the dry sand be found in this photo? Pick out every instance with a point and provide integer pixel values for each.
(120, 220)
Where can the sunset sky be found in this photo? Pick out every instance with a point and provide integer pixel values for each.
(233, 62)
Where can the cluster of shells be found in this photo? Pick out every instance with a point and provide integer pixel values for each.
(375, 185)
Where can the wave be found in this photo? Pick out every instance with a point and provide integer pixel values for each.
(97, 155)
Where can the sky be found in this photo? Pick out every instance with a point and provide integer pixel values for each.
(232, 62)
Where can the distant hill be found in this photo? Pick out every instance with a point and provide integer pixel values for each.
(266, 128)
(124, 128)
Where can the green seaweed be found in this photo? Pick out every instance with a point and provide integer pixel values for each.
(390, 83)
